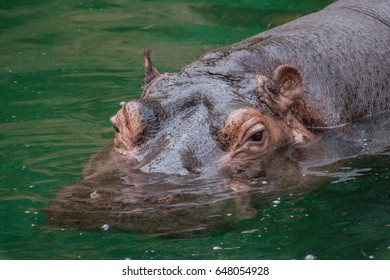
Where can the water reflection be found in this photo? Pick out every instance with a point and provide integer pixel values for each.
(111, 196)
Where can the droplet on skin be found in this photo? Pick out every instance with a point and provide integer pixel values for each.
(94, 195)
(122, 103)
(105, 227)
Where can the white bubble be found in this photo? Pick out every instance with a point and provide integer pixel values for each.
(105, 227)
(217, 248)
(276, 202)
(250, 231)
(264, 182)
(122, 103)
(310, 257)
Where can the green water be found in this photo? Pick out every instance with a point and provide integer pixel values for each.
(64, 68)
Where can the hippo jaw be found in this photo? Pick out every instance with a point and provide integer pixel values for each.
(188, 123)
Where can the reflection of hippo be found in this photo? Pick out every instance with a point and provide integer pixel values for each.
(183, 205)
(209, 135)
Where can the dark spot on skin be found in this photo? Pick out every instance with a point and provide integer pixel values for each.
(190, 161)
(214, 120)
(206, 102)
(152, 115)
(158, 111)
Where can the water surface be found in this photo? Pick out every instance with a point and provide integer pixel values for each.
(64, 68)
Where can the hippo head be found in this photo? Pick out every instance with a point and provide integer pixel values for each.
(191, 154)
(208, 119)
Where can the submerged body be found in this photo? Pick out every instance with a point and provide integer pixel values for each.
(246, 119)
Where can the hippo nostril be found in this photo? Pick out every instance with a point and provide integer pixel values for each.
(116, 128)
(114, 124)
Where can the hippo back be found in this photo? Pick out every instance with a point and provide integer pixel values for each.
(342, 52)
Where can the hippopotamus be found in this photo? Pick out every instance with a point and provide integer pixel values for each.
(241, 102)
(248, 118)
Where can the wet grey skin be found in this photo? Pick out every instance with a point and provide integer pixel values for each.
(322, 70)
(241, 123)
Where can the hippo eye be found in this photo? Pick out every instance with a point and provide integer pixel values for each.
(257, 137)
(254, 140)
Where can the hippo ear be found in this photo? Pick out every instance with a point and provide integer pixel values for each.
(282, 90)
(286, 84)
(150, 72)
